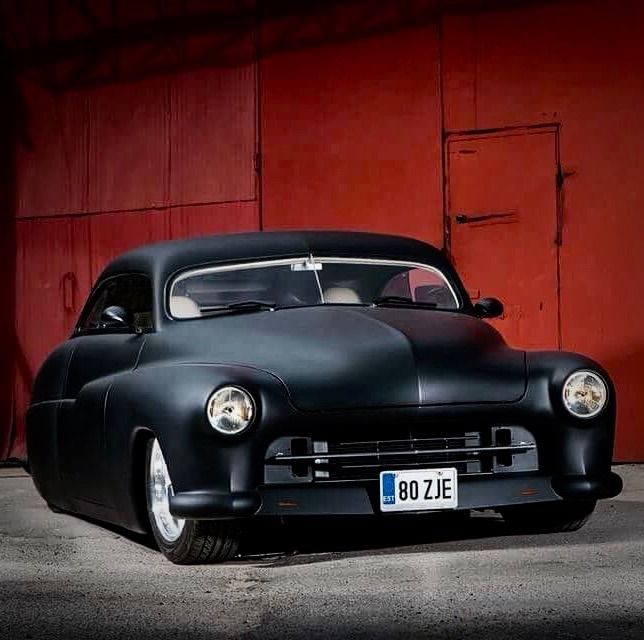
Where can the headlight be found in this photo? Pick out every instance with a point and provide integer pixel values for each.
(585, 394)
(230, 410)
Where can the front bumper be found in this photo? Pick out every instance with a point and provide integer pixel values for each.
(362, 499)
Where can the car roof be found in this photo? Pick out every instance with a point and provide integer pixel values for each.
(161, 260)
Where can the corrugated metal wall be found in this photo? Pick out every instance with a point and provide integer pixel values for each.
(351, 138)
(111, 168)
(582, 65)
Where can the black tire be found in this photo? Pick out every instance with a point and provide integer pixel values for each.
(549, 517)
(200, 541)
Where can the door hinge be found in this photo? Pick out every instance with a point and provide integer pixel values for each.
(258, 162)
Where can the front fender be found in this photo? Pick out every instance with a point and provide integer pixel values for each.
(169, 402)
(580, 450)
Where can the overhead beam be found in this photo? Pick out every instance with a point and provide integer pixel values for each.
(82, 8)
(94, 57)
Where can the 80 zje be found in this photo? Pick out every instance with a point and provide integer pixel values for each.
(440, 489)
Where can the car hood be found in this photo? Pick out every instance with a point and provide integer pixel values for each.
(334, 357)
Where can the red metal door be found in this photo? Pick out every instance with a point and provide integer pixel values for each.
(502, 227)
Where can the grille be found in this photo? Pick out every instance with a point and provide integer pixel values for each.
(365, 460)
(492, 450)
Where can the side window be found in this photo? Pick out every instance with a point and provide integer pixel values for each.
(133, 292)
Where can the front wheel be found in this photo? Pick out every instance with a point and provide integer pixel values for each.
(549, 517)
(183, 541)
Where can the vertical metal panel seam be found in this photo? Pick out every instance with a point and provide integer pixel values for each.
(441, 104)
(559, 232)
(475, 38)
(88, 121)
(259, 151)
(168, 134)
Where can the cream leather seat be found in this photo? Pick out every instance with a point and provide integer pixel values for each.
(341, 295)
(183, 307)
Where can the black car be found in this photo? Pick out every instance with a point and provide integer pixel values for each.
(308, 373)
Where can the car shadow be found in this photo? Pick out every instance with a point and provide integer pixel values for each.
(313, 540)
(273, 542)
(141, 539)
(317, 539)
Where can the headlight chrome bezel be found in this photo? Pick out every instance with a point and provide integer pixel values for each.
(602, 384)
(246, 398)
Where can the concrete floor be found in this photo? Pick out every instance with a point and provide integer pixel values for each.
(62, 577)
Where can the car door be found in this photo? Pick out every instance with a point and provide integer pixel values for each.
(99, 352)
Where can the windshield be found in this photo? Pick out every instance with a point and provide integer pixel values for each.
(306, 282)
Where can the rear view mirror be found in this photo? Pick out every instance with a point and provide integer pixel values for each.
(488, 308)
(115, 317)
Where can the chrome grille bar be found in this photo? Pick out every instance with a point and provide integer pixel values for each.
(281, 458)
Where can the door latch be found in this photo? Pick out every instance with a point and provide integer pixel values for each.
(69, 285)
(462, 218)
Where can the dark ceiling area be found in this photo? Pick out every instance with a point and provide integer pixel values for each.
(65, 44)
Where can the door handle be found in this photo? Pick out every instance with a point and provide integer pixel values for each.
(69, 292)
(462, 218)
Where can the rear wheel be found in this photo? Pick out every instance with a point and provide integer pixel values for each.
(183, 541)
(549, 517)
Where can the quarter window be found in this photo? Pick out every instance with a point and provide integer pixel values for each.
(132, 292)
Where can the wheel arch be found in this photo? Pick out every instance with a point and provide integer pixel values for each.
(141, 436)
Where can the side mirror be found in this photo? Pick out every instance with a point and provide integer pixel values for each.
(115, 317)
(488, 308)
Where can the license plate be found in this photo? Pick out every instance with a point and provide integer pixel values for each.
(418, 490)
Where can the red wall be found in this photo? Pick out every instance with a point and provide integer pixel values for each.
(111, 168)
(580, 64)
(350, 138)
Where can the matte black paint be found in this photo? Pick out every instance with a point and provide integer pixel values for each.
(314, 371)
(339, 357)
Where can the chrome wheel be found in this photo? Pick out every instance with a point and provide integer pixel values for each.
(159, 492)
